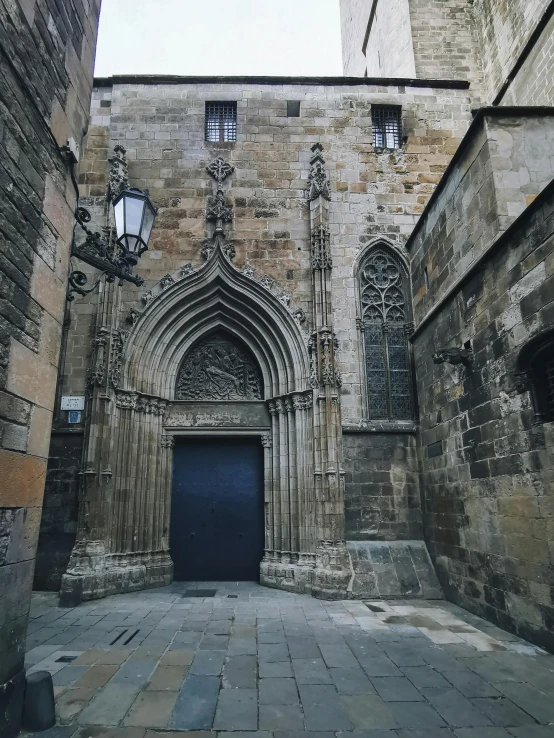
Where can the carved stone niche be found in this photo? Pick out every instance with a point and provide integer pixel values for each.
(219, 369)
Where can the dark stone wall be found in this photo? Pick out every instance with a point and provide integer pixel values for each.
(58, 524)
(487, 473)
(382, 489)
(46, 58)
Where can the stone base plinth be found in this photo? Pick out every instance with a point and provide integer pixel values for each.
(392, 570)
(114, 574)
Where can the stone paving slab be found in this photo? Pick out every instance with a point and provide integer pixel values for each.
(271, 664)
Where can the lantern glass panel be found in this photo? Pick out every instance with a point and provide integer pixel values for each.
(119, 213)
(149, 217)
(134, 209)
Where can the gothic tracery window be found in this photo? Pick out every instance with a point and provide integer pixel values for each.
(386, 316)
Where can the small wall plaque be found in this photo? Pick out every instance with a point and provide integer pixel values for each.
(73, 402)
(74, 416)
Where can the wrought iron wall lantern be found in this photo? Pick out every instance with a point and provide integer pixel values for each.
(134, 219)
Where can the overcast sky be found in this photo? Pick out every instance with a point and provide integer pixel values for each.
(228, 37)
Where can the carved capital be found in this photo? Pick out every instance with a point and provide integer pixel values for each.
(168, 441)
(126, 400)
(267, 441)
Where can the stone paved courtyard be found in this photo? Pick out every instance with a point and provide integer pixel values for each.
(279, 665)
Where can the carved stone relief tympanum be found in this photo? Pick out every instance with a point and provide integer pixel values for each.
(218, 369)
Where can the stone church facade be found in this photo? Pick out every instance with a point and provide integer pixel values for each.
(351, 273)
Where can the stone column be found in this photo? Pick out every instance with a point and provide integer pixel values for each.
(332, 569)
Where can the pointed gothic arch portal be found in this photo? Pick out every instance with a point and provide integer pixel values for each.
(217, 500)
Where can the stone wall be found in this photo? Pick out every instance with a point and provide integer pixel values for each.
(44, 99)
(426, 39)
(382, 487)
(487, 472)
(354, 17)
(390, 50)
(445, 41)
(58, 524)
(498, 171)
(504, 28)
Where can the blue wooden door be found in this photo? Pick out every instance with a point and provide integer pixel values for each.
(217, 523)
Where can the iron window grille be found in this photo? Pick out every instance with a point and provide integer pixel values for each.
(221, 121)
(386, 321)
(386, 122)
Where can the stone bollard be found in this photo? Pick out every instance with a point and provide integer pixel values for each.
(38, 707)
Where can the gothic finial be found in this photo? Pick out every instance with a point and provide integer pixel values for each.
(318, 182)
(220, 169)
(119, 175)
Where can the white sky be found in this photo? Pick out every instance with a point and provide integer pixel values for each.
(221, 37)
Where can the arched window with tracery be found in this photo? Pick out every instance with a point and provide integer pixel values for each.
(535, 373)
(386, 322)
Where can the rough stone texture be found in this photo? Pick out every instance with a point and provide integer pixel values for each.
(487, 472)
(481, 41)
(445, 41)
(504, 28)
(426, 39)
(500, 169)
(46, 77)
(533, 84)
(382, 487)
(389, 50)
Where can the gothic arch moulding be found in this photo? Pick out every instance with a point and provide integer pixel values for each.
(216, 297)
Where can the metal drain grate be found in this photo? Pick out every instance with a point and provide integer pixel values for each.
(65, 659)
(200, 593)
(232, 597)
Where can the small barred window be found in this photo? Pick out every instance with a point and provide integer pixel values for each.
(386, 319)
(221, 121)
(386, 121)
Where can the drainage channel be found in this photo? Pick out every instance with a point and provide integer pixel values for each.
(127, 641)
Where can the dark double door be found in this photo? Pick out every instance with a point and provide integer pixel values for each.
(217, 521)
